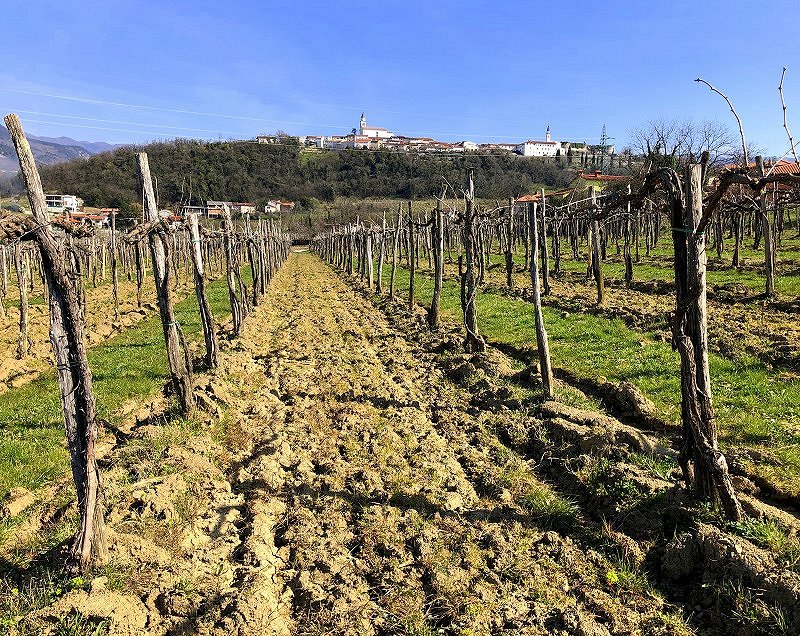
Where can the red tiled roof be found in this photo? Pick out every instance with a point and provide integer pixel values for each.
(780, 167)
(596, 176)
(537, 196)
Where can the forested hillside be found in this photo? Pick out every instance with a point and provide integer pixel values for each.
(242, 171)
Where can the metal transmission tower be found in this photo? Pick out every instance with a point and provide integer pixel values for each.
(603, 139)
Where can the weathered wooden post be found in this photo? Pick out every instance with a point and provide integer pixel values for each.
(206, 317)
(438, 260)
(370, 268)
(627, 247)
(412, 257)
(114, 278)
(68, 339)
(473, 343)
(237, 308)
(382, 255)
(23, 341)
(597, 262)
(396, 249)
(510, 244)
(542, 343)
(180, 370)
(767, 232)
(545, 255)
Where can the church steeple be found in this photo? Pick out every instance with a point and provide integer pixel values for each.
(546, 135)
(363, 123)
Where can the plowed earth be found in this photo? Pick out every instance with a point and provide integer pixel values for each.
(100, 325)
(346, 486)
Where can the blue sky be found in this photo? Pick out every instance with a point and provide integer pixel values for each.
(452, 70)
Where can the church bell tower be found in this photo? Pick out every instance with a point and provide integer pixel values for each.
(362, 123)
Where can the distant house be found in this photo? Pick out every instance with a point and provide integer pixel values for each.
(170, 217)
(193, 209)
(216, 209)
(93, 216)
(242, 209)
(276, 206)
(498, 147)
(62, 203)
(536, 197)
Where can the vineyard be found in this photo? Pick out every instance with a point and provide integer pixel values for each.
(568, 413)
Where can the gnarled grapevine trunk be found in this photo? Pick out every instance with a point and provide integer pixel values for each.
(180, 370)
(68, 339)
(206, 316)
(473, 342)
(703, 465)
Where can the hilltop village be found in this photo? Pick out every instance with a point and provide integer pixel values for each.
(377, 138)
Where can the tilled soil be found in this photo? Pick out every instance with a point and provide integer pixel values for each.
(349, 487)
(100, 325)
(387, 510)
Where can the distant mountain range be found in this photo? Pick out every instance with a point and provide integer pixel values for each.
(47, 151)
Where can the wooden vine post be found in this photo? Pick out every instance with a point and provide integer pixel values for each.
(23, 341)
(542, 343)
(114, 278)
(381, 256)
(596, 256)
(438, 260)
(767, 234)
(395, 250)
(237, 302)
(510, 245)
(179, 367)
(68, 339)
(412, 258)
(545, 255)
(469, 288)
(206, 317)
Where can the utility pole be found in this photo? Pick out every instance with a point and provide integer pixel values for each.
(603, 139)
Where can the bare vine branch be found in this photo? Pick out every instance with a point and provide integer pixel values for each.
(735, 114)
(785, 124)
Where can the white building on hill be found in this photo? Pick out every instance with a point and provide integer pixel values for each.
(372, 131)
(546, 148)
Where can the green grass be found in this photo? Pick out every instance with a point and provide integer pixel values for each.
(658, 265)
(131, 365)
(769, 534)
(755, 410)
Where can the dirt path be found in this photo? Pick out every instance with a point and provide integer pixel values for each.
(376, 504)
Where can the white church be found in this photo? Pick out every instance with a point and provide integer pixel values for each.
(371, 131)
(546, 148)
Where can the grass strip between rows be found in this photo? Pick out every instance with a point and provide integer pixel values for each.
(131, 365)
(755, 411)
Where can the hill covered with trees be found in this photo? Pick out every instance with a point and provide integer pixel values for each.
(245, 171)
